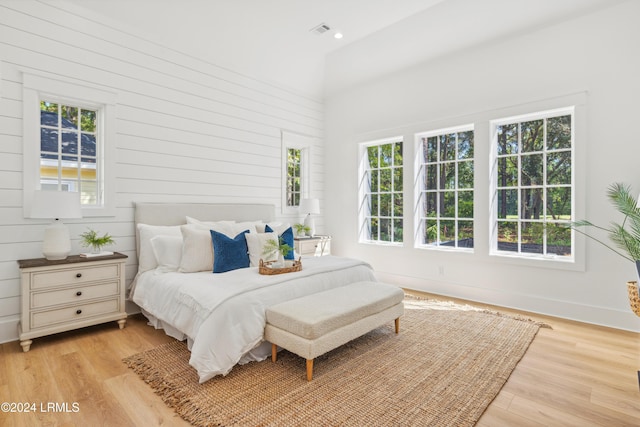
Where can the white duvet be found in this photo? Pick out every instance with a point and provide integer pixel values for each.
(224, 314)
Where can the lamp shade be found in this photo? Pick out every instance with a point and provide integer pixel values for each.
(309, 206)
(56, 205)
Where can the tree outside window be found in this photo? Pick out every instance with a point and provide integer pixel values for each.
(534, 190)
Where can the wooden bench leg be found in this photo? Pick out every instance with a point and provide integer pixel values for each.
(309, 369)
(397, 325)
(274, 352)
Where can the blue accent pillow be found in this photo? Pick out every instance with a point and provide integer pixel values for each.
(285, 237)
(229, 254)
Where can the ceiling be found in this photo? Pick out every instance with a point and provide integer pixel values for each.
(271, 39)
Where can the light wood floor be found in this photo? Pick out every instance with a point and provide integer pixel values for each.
(572, 375)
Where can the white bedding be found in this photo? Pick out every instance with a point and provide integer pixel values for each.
(223, 314)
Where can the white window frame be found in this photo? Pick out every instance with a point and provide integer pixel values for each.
(363, 167)
(304, 144)
(493, 235)
(420, 187)
(38, 88)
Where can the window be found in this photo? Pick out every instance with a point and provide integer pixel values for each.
(444, 190)
(69, 146)
(294, 176)
(69, 137)
(296, 170)
(534, 191)
(381, 194)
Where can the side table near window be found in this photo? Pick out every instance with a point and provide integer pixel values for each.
(317, 245)
(71, 293)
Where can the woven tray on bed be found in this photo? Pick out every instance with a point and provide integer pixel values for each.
(265, 269)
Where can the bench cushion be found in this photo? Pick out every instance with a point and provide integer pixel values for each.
(315, 315)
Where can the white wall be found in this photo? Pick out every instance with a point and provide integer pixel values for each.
(592, 57)
(187, 130)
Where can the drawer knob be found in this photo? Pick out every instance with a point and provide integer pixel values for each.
(78, 311)
(79, 293)
(79, 275)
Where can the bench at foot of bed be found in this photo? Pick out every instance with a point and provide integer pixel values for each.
(315, 324)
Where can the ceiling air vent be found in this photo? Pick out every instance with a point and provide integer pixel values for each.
(320, 29)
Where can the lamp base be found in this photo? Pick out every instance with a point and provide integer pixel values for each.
(309, 222)
(57, 243)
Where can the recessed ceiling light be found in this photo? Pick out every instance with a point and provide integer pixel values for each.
(337, 35)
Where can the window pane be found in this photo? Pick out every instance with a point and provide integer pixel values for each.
(385, 229)
(430, 148)
(448, 176)
(559, 203)
(49, 141)
(397, 179)
(447, 233)
(69, 117)
(386, 155)
(397, 158)
(531, 199)
(431, 204)
(508, 171)
(88, 121)
(374, 180)
(69, 142)
(532, 237)
(448, 204)
(372, 153)
(532, 170)
(559, 132)
(507, 138)
(397, 230)
(448, 147)
(559, 168)
(532, 134)
(465, 174)
(397, 205)
(465, 145)
(430, 232)
(558, 240)
(385, 204)
(385, 179)
(465, 234)
(431, 174)
(507, 204)
(508, 236)
(375, 203)
(465, 204)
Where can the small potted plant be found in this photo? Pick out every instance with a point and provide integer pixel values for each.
(91, 240)
(301, 230)
(273, 247)
(624, 235)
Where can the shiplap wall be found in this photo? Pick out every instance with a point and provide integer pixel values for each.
(187, 130)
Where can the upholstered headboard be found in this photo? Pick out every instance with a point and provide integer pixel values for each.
(176, 213)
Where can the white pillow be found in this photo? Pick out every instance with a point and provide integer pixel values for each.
(168, 251)
(146, 257)
(252, 226)
(256, 243)
(191, 220)
(197, 249)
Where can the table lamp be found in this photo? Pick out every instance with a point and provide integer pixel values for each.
(310, 207)
(56, 205)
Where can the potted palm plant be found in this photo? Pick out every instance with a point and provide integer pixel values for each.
(625, 235)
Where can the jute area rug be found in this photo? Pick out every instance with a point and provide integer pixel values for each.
(444, 368)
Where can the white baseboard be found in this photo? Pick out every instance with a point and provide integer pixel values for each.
(603, 316)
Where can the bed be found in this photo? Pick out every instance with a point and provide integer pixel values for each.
(221, 315)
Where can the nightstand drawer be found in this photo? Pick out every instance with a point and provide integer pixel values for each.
(73, 314)
(74, 295)
(307, 247)
(70, 276)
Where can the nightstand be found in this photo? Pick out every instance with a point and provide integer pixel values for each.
(71, 293)
(317, 245)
